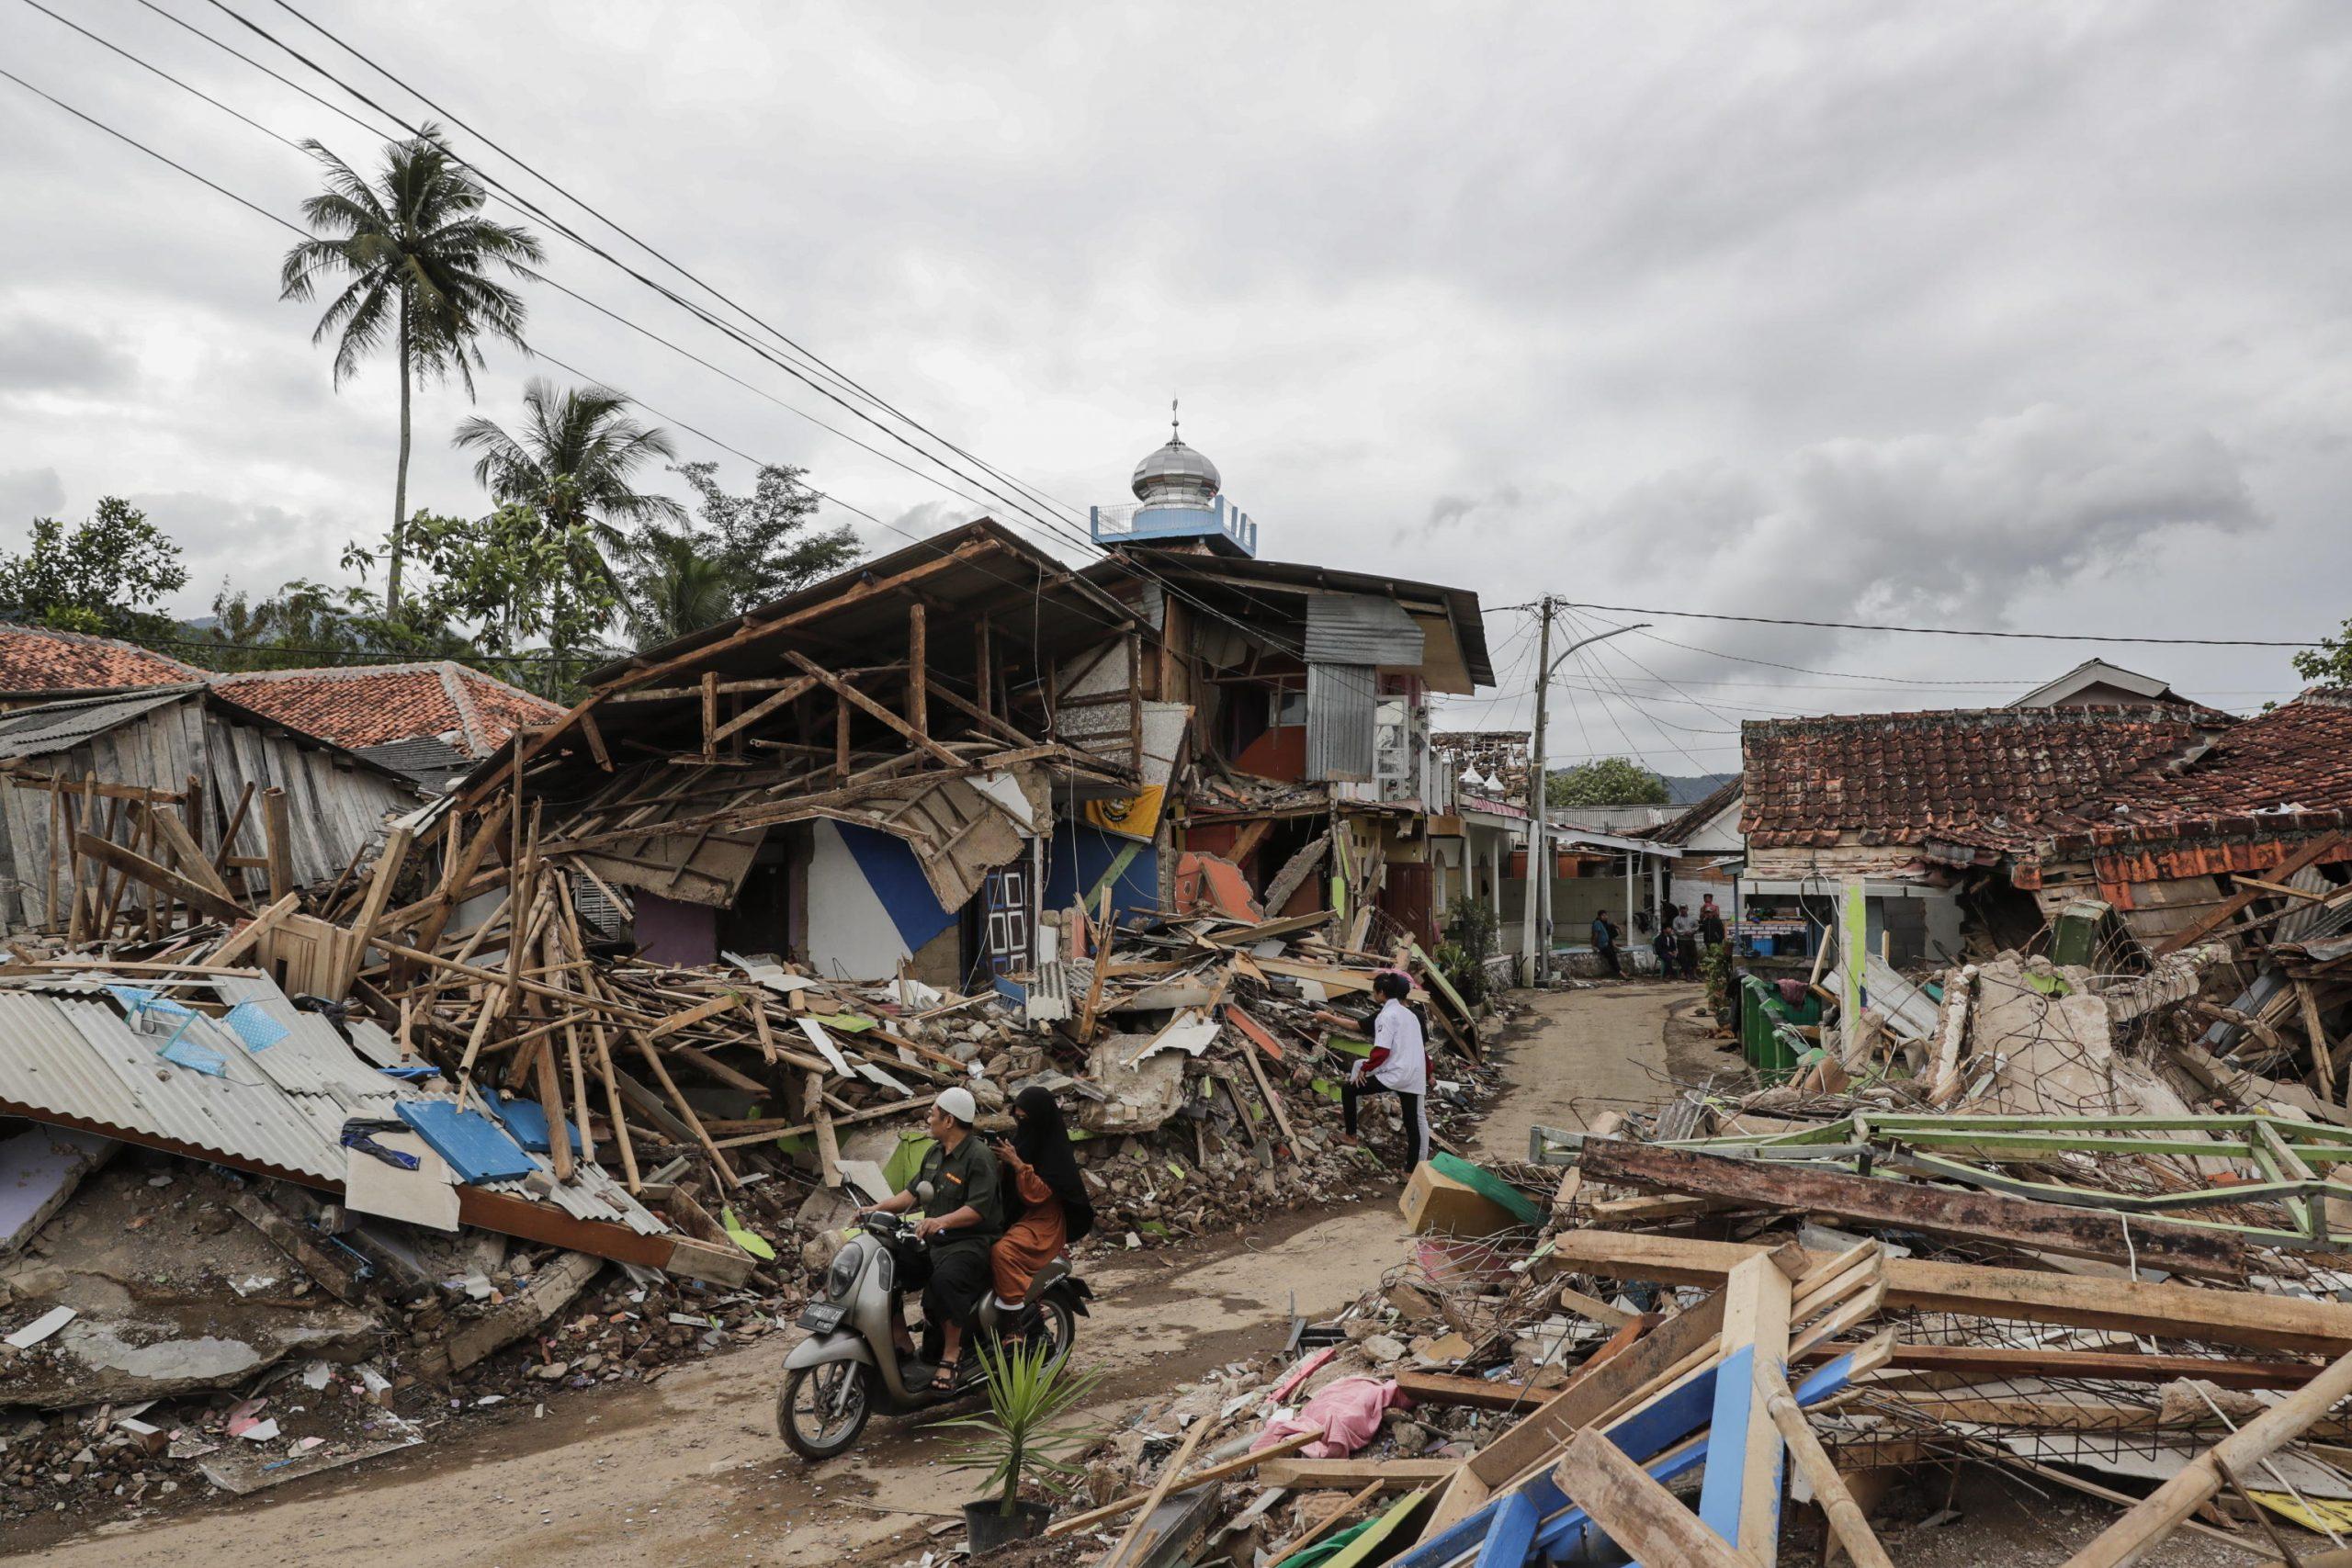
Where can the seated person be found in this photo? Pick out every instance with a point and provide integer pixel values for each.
(960, 1219)
(1042, 1171)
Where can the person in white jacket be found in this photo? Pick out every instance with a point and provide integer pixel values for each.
(1400, 1064)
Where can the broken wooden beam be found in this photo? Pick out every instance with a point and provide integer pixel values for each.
(1902, 1205)
(2253, 1319)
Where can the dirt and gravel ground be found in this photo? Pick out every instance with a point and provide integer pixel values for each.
(689, 1472)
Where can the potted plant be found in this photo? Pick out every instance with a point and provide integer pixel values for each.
(1030, 1390)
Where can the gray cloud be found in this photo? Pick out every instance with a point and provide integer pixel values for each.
(47, 355)
(1826, 309)
(28, 493)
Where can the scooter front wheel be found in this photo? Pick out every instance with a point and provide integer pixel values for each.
(822, 1409)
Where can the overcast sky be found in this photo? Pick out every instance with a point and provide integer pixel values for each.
(2026, 316)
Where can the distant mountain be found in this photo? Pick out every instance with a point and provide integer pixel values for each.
(1692, 788)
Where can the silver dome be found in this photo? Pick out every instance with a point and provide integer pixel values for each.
(1178, 475)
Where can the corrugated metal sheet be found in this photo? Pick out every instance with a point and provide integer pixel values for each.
(81, 1059)
(75, 1056)
(60, 727)
(1340, 706)
(1360, 628)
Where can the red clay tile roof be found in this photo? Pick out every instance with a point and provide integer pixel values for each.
(33, 658)
(1982, 778)
(2285, 772)
(373, 704)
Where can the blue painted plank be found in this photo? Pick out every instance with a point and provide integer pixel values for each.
(477, 1148)
(1723, 1495)
(1561, 1535)
(527, 1121)
(1512, 1534)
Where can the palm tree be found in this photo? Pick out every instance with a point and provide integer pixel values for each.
(418, 258)
(674, 586)
(574, 461)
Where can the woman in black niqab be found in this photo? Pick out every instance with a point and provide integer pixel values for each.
(1042, 1171)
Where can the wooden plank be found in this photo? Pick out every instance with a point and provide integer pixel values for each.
(1274, 1100)
(339, 1279)
(1741, 1496)
(1998, 1363)
(1846, 1520)
(277, 830)
(850, 695)
(243, 939)
(2155, 1516)
(2229, 909)
(918, 675)
(1346, 1475)
(799, 686)
(1167, 1479)
(193, 862)
(1639, 1514)
(1221, 1471)
(2253, 1319)
(138, 867)
(1938, 1211)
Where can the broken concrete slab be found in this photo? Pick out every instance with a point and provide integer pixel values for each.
(92, 1361)
(39, 1169)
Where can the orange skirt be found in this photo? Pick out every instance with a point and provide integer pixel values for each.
(1031, 1243)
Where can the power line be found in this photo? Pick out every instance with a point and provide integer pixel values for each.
(283, 223)
(1936, 631)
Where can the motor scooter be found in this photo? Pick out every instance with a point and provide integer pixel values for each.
(834, 1379)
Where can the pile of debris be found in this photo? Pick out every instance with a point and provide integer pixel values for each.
(287, 1184)
(2020, 1216)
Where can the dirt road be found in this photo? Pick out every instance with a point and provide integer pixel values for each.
(689, 1472)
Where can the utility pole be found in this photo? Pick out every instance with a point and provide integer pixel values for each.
(1535, 942)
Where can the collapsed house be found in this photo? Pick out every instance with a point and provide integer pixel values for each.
(430, 721)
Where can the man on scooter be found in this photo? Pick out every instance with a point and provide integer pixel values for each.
(961, 1218)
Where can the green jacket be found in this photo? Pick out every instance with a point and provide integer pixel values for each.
(968, 1176)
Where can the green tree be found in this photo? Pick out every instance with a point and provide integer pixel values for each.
(415, 261)
(574, 463)
(762, 537)
(2329, 664)
(1604, 780)
(672, 585)
(520, 582)
(307, 623)
(104, 575)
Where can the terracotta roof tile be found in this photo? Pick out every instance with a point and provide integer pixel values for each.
(2282, 771)
(1986, 778)
(33, 658)
(377, 704)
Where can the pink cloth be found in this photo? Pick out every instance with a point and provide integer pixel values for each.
(1348, 1412)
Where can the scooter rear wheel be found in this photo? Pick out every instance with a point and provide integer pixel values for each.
(821, 1410)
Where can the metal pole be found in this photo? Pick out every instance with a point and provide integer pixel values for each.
(1538, 883)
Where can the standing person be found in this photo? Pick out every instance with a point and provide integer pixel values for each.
(1711, 924)
(1604, 943)
(1686, 942)
(1398, 1065)
(1043, 1172)
(960, 1219)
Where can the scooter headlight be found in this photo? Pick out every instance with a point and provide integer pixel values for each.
(842, 1277)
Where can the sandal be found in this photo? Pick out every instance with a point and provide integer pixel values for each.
(944, 1378)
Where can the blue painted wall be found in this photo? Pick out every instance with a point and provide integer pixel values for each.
(1081, 854)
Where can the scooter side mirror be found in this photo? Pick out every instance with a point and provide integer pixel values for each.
(923, 1190)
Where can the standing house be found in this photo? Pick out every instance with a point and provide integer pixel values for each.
(1941, 813)
(1288, 704)
(430, 721)
(232, 776)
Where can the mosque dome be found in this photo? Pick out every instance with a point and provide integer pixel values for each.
(1176, 475)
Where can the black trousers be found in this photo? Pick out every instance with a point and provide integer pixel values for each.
(952, 1279)
(1352, 1092)
(1609, 956)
